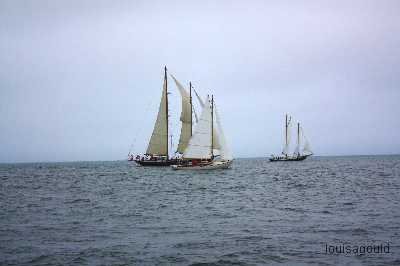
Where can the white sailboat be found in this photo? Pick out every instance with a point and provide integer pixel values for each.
(302, 149)
(207, 148)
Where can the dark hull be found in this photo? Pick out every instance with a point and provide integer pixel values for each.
(156, 163)
(288, 159)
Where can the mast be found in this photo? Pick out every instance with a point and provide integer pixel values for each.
(212, 126)
(191, 109)
(171, 141)
(298, 137)
(286, 126)
(166, 105)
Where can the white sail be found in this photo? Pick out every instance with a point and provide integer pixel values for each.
(215, 135)
(195, 115)
(296, 151)
(158, 143)
(217, 144)
(186, 116)
(297, 148)
(224, 149)
(306, 148)
(287, 138)
(200, 143)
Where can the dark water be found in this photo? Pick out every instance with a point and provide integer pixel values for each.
(113, 213)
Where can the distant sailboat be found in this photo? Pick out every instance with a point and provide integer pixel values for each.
(299, 153)
(207, 148)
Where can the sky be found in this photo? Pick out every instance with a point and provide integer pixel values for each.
(82, 80)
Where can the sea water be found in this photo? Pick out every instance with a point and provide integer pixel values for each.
(257, 213)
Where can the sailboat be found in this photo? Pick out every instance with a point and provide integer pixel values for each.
(298, 154)
(157, 153)
(207, 148)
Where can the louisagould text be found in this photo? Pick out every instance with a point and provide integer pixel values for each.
(357, 249)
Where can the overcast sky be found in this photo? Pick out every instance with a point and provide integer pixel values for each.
(80, 79)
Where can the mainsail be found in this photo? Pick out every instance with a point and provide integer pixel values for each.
(186, 117)
(159, 139)
(199, 146)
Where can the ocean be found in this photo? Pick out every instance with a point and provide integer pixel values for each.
(257, 213)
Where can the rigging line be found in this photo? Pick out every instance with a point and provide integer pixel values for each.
(137, 132)
(195, 115)
(198, 97)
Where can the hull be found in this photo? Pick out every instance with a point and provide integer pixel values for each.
(155, 162)
(288, 159)
(210, 166)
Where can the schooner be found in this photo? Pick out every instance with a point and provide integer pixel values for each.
(298, 154)
(205, 148)
(157, 153)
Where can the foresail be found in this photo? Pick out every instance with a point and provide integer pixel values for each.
(185, 118)
(199, 146)
(158, 141)
(224, 149)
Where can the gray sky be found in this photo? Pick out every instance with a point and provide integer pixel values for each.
(79, 79)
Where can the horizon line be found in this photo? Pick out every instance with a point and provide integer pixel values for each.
(247, 157)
